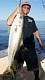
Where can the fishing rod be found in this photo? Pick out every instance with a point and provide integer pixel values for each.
(43, 3)
(19, 3)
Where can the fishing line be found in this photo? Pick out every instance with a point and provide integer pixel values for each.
(43, 3)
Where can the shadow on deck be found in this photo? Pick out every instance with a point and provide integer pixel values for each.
(23, 74)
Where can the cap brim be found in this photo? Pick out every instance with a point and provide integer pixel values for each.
(27, 4)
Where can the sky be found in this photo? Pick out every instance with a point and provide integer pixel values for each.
(8, 6)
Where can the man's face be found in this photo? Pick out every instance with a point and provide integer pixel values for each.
(25, 9)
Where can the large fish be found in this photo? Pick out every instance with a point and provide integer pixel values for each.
(15, 36)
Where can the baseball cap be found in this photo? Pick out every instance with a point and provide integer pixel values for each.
(25, 2)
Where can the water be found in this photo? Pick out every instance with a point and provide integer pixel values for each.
(41, 29)
(4, 35)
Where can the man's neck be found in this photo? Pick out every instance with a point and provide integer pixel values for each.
(25, 14)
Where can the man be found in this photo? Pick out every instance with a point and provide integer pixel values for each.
(27, 51)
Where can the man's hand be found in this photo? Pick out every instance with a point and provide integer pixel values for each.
(39, 39)
(41, 45)
(12, 16)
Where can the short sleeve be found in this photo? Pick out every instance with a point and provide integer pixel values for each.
(34, 26)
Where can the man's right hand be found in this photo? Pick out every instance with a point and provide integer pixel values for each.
(13, 15)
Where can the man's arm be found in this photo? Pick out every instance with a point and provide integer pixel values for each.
(37, 35)
(12, 16)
